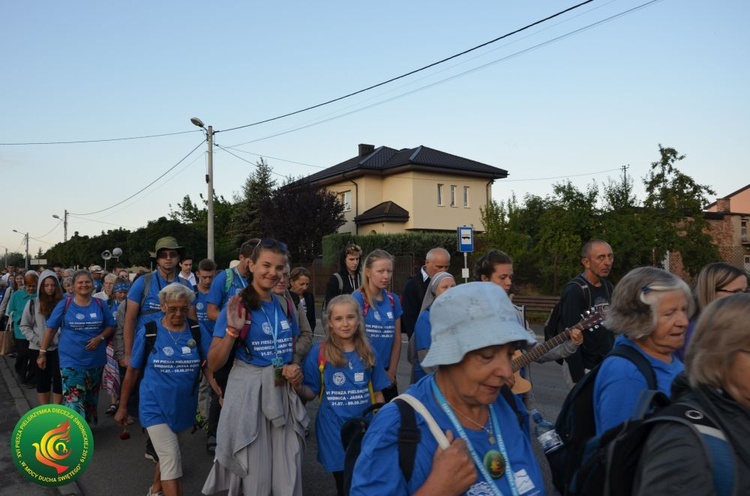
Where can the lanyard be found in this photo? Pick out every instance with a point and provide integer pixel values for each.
(474, 456)
(275, 328)
(243, 281)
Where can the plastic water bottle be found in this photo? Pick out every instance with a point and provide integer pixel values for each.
(545, 433)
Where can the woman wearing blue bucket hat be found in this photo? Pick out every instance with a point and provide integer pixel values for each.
(485, 448)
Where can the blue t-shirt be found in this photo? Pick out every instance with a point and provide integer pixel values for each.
(423, 339)
(378, 472)
(168, 393)
(380, 323)
(201, 307)
(260, 338)
(151, 309)
(77, 326)
(346, 395)
(619, 383)
(217, 295)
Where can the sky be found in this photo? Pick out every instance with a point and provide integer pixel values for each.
(573, 98)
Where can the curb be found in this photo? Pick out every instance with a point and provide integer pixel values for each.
(23, 406)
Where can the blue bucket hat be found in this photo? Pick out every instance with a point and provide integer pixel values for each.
(470, 317)
(121, 286)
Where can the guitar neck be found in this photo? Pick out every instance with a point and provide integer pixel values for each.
(540, 350)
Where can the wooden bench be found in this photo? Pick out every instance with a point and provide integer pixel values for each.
(536, 303)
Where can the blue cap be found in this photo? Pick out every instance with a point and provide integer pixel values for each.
(471, 317)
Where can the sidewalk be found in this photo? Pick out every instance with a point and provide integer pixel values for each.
(13, 403)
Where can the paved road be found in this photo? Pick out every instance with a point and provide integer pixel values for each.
(120, 469)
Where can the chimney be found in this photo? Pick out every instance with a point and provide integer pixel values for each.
(365, 149)
(722, 204)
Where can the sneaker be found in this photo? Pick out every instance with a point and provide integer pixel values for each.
(151, 453)
(149, 493)
(211, 445)
(111, 410)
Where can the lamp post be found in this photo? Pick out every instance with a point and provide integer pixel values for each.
(26, 237)
(65, 225)
(210, 181)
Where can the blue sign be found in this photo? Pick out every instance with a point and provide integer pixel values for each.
(465, 239)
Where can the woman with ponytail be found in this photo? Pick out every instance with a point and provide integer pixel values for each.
(382, 311)
(261, 432)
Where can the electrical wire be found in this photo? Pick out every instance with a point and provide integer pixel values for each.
(274, 158)
(50, 231)
(558, 177)
(142, 189)
(106, 140)
(455, 76)
(100, 221)
(251, 163)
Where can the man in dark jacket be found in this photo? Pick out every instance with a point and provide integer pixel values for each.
(586, 290)
(437, 260)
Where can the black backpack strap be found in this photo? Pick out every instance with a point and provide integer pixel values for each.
(408, 438)
(510, 398)
(635, 357)
(150, 341)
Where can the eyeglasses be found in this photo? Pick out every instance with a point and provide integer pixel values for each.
(734, 291)
(168, 254)
(272, 243)
(182, 310)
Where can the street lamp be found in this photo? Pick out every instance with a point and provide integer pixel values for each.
(26, 236)
(210, 181)
(65, 224)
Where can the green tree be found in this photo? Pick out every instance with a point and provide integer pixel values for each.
(246, 220)
(300, 214)
(674, 206)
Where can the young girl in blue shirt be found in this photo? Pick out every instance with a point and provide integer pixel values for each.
(347, 375)
(381, 310)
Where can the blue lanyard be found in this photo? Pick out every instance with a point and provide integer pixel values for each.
(243, 281)
(274, 330)
(474, 456)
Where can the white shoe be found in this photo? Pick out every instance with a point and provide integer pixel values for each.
(149, 493)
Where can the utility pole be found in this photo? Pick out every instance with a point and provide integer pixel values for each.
(210, 181)
(26, 237)
(65, 225)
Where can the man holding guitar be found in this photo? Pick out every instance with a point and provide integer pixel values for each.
(497, 267)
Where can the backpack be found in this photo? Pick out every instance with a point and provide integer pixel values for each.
(611, 460)
(69, 300)
(554, 324)
(366, 305)
(195, 331)
(409, 435)
(587, 464)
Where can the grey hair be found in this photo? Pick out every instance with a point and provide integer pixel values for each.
(110, 277)
(635, 301)
(721, 333)
(176, 291)
(432, 253)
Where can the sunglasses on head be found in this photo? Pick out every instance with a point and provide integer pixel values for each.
(272, 243)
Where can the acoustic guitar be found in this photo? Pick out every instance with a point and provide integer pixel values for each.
(520, 359)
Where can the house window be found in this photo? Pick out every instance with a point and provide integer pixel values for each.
(346, 200)
(466, 196)
(440, 194)
(453, 195)
(743, 230)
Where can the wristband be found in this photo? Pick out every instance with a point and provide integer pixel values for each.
(42, 351)
(232, 332)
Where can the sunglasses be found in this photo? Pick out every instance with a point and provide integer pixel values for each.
(272, 244)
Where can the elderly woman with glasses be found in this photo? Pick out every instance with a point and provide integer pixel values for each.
(261, 432)
(171, 351)
(650, 309)
(716, 280)
(486, 447)
(675, 459)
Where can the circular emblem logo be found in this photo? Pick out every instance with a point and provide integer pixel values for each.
(80, 316)
(266, 328)
(52, 445)
(168, 350)
(199, 306)
(339, 378)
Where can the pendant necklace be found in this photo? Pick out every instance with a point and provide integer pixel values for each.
(486, 428)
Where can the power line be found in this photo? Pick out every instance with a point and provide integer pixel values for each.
(107, 140)
(50, 231)
(274, 158)
(557, 177)
(100, 221)
(144, 188)
(371, 87)
(455, 76)
(246, 160)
